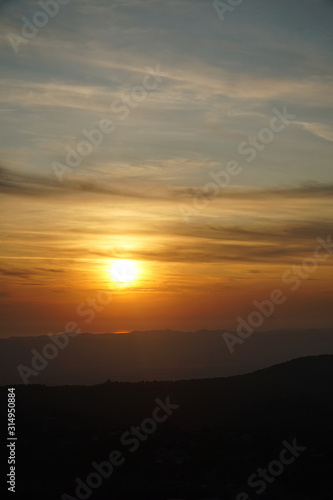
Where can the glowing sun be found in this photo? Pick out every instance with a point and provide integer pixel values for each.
(124, 272)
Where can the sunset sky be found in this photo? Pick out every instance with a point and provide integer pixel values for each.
(199, 255)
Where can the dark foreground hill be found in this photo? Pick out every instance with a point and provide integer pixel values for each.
(216, 434)
(158, 355)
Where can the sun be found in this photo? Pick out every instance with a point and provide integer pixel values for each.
(124, 272)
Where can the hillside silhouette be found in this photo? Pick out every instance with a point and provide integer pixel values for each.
(223, 430)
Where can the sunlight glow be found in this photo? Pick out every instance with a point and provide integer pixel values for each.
(124, 272)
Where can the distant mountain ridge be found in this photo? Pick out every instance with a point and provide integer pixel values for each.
(89, 359)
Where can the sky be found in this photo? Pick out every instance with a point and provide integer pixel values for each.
(184, 146)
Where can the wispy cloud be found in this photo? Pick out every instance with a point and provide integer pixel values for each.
(322, 130)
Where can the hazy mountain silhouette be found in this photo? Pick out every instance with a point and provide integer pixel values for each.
(156, 355)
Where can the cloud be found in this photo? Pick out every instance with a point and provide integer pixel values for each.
(16, 273)
(322, 130)
(284, 242)
(306, 190)
(222, 252)
(18, 183)
(38, 186)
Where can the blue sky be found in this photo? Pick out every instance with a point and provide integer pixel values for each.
(225, 78)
